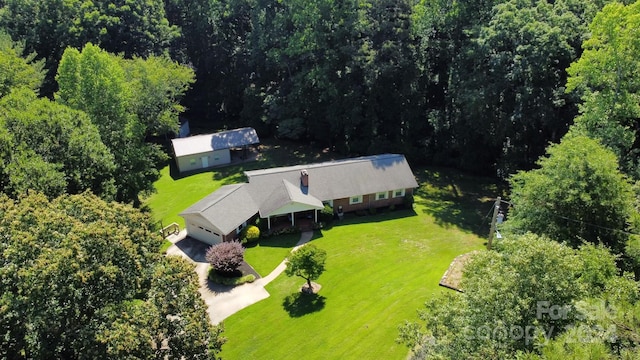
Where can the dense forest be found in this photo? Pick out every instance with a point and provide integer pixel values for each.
(543, 93)
(483, 86)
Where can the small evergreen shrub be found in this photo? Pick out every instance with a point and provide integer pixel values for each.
(229, 281)
(326, 215)
(250, 233)
(225, 257)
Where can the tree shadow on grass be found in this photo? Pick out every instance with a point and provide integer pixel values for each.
(457, 199)
(299, 304)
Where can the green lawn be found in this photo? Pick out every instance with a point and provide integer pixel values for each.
(380, 270)
(267, 253)
(173, 196)
(175, 193)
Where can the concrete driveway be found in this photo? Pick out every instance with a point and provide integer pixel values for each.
(224, 301)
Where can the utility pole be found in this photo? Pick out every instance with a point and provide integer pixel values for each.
(492, 231)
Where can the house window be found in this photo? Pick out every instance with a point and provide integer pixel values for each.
(355, 199)
(192, 161)
(381, 195)
(398, 193)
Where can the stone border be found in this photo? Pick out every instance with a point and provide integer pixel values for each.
(455, 270)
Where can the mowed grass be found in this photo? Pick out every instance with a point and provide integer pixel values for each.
(174, 193)
(380, 270)
(172, 196)
(267, 253)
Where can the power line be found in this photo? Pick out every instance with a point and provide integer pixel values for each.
(583, 222)
(595, 225)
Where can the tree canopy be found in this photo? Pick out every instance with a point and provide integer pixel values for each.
(127, 100)
(606, 78)
(307, 262)
(544, 289)
(51, 148)
(480, 86)
(577, 194)
(131, 27)
(18, 69)
(82, 278)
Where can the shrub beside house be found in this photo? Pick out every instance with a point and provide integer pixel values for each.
(300, 193)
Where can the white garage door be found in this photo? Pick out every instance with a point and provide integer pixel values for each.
(204, 234)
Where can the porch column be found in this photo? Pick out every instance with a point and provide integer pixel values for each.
(269, 222)
(293, 219)
(315, 213)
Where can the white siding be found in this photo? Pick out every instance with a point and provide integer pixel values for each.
(194, 162)
(203, 232)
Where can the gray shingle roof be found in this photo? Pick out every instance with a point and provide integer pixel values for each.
(338, 179)
(271, 189)
(199, 144)
(226, 208)
(287, 194)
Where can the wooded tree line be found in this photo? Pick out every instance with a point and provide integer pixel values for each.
(81, 275)
(481, 86)
(580, 193)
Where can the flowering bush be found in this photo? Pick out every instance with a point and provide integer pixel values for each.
(225, 257)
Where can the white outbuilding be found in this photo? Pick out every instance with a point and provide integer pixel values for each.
(209, 150)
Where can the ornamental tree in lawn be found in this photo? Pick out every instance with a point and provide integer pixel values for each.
(307, 262)
(225, 257)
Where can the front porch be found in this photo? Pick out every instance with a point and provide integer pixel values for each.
(303, 220)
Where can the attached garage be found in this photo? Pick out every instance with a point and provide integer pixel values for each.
(221, 215)
(203, 232)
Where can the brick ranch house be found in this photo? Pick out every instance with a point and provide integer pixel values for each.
(287, 193)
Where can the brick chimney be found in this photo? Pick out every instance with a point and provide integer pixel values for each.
(304, 178)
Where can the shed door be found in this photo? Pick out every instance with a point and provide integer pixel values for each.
(205, 161)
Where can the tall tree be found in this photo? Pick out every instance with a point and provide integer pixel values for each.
(509, 84)
(18, 69)
(48, 27)
(533, 300)
(577, 194)
(606, 78)
(77, 270)
(51, 148)
(214, 40)
(127, 100)
(339, 73)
